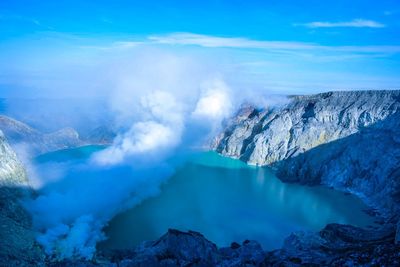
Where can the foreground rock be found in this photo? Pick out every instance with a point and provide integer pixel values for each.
(338, 245)
(335, 245)
(177, 248)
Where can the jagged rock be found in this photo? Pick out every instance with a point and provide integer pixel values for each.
(335, 245)
(346, 140)
(265, 136)
(17, 239)
(338, 245)
(250, 253)
(12, 172)
(177, 248)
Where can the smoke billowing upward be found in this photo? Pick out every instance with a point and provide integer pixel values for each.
(163, 105)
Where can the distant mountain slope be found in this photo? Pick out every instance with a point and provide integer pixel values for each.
(51, 114)
(18, 133)
(101, 135)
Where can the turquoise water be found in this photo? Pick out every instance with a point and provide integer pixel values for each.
(227, 201)
(78, 153)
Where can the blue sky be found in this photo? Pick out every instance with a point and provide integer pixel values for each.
(281, 46)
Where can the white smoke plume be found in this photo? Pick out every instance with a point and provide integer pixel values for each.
(164, 105)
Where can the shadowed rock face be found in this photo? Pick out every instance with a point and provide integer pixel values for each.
(264, 137)
(12, 172)
(338, 245)
(335, 245)
(366, 163)
(177, 248)
(347, 140)
(17, 239)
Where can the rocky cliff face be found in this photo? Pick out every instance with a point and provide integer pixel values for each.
(348, 140)
(264, 137)
(17, 239)
(12, 172)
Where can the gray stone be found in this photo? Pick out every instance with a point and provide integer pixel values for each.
(346, 140)
(17, 239)
(12, 172)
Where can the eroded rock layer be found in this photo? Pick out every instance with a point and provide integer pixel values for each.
(347, 140)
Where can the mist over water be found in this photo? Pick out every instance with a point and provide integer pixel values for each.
(160, 104)
(228, 201)
(161, 108)
(224, 199)
(79, 199)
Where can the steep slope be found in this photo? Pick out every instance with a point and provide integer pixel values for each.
(348, 140)
(12, 172)
(17, 239)
(366, 163)
(263, 137)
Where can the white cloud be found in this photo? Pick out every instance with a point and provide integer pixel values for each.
(230, 42)
(161, 131)
(214, 103)
(272, 46)
(123, 64)
(356, 23)
(143, 137)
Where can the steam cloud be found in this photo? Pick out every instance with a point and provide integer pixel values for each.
(164, 106)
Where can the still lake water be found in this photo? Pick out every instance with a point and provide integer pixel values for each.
(226, 200)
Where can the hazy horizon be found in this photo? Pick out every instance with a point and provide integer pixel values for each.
(278, 47)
